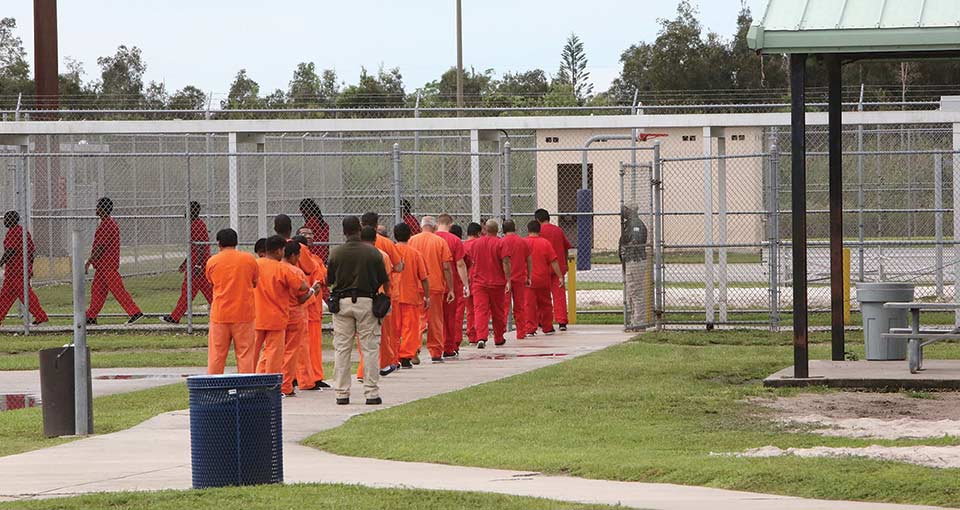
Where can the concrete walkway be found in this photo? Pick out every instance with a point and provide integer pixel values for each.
(106, 381)
(156, 454)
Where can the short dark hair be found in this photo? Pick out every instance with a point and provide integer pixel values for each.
(457, 230)
(541, 215)
(310, 208)
(301, 239)
(227, 238)
(274, 243)
(282, 225)
(370, 219)
(291, 248)
(260, 246)
(105, 205)
(368, 234)
(444, 219)
(194, 209)
(351, 226)
(533, 227)
(401, 232)
(11, 217)
(509, 226)
(474, 229)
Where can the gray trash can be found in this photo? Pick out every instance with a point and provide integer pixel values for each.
(878, 320)
(57, 392)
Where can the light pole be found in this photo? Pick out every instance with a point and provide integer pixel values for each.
(459, 60)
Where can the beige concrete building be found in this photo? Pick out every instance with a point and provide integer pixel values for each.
(559, 176)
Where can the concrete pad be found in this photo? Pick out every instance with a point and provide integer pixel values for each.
(156, 454)
(106, 381)
(875, 375)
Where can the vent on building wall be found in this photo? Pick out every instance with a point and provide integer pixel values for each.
(552, 139)
(689, 138)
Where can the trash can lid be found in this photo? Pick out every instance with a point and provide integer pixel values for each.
(882, 292)
(203, 382)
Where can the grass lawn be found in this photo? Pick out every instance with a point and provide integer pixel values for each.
(22, 430)
(315, 496)
(653, 410)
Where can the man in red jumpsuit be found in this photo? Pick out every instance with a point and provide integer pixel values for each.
(193, 268)
(561, 246)
(12, 261)
(105, 258)
(519, 252)
(491, 284)
(452, 322)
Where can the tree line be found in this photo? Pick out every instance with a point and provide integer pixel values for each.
(684, 64)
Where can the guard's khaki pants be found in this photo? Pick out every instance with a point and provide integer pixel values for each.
(356, 319)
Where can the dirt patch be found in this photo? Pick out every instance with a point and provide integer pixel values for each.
(871, 415)
(931, 456)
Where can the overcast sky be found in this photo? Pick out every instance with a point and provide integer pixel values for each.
(205, 42)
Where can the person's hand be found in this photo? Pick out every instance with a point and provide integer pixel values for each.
(317, 286)
(529, 282)
(451, 296)
(426, 303)
(466, 291)
(86, 267)
(508, 287)
(560, 283)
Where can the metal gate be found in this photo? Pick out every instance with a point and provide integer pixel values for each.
(638, 230)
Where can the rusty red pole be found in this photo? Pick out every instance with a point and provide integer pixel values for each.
(46, 74)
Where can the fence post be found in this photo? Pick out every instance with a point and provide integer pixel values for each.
(81, 367)
(938, 219)
(773, 228)
(708, 225)
(626, 304)
(955, 164)
(24, 203)
(233, 179)
(506, 179)
(397, 213)
(722, 223)
(658, 268)
(188, 274)
(474, 175)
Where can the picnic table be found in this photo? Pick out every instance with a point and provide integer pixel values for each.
(917, 338)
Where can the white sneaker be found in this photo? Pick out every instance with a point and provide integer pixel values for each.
(481, 344)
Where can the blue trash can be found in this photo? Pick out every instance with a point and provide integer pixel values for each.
(236, 435)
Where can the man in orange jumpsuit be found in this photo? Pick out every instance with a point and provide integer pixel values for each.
(490, 285)
(544, 274)
(561, 246)
(412, 295)
(517, 251)
(452, 323)
(105, 258)
(233, 275)
(277, 286)
(12, 261)
(473, 233)
(312, 347)
(439, 261)
(389, 330)
(194, 267)
(295, 353)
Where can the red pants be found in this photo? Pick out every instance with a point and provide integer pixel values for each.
(435, 329)
(408, 322)
(518, 292)
(453, 324)
(539, 310)
(243, 337)
(199, 284)
(471, 327)
(105, 280)
(559, 300)
(488, 304)
(12, 290)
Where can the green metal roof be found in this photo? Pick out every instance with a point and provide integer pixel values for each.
(857, 26)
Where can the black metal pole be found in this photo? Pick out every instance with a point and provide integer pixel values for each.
(798, 137)
(835, 138)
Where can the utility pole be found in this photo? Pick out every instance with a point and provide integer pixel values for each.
(459, 60)
(46, 75)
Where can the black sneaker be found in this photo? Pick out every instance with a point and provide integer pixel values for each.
(291, 394)
(549, 332)
(532, 333)
(343, 401)
(316, 387)
(389, 370)
(438, 359)
(563, 327)
(135, 317)
(37, 323)
(453, 354)
(405, 363)
(416, 359)
(501, 342)
(91, 321)
(481, 344)
(168, 319)
(374, 401)
(321, 384)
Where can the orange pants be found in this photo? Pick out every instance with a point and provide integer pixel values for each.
(315, 336)
(219, 337)
(294, 350)
(435, 324)
(269, 351)
(408, 321)
(518, 292)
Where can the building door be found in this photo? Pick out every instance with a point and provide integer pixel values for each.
(569, 180)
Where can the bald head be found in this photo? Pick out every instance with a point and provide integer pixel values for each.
(492, 227)
(429, 223)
